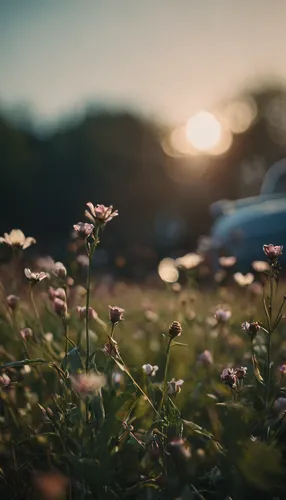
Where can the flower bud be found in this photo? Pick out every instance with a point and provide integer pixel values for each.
(222, 315)
(115, 314)
(60, 307)
(92, 314)
(83, 229)
(251, 328)
(174, 386)
(57, 293)
(228, 377)
(150, 370)
(60, 270)
(273, 251)
(241, 372)
(12, 301)
(175, 329)
(205, 358)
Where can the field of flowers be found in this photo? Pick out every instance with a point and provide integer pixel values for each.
(139, 392)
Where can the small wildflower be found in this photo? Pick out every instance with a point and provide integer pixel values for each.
(228, 377)
(83, 229)
(92, 314)
(205, 358)
(282, 369)
(83, 260)
(150, 370)
(174, 386)
(26, 333)
(35, 277)
(243, 279)
(87, 384)
(4, 380)
(12, 301)
(241, 372)
(57, 293)
(100, 213)
(175, 329)
(250, 328)
(60, 270)
(60, 307)
(222, 315)
(189, 261)
(151, 316)
(115, 314)
(227, 261)
(260, 266)
(17, 239)
(49, 336)
(273, 251)
(280, 405)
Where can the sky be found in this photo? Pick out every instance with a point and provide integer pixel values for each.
(165, 58)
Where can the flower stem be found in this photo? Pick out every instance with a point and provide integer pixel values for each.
(90, 249)
(268, 359)
(165, 374)
(36, 310)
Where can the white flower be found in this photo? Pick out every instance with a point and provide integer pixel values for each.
(174, 386)
(243, 279)
(150, 370)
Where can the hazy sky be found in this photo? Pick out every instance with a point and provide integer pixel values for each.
(165, 57)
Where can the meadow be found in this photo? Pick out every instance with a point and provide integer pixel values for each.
(140, 392)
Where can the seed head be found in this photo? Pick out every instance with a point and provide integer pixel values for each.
(12, 301)
(175, 329)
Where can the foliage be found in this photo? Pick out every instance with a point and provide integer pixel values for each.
(86, 413)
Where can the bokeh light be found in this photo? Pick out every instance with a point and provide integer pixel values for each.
(203, 131)
(240, 114)
(167, 270)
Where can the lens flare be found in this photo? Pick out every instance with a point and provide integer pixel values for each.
(203, 131)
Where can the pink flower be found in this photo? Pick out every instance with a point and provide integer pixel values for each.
(17, 239)
(35, 278)
(273, 251)
(4, 380)
(60, 270)
(241, 372)
(12, 301)
(92, 314)
(100, 213)
(206, 358)
(227, 261)
(83, 229)
(228, 377)
(115, 314)
(174, 386)
(250, 328)
(57, 293)
(87, 384)
(222, 315)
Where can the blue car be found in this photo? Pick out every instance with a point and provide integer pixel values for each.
(243, 226)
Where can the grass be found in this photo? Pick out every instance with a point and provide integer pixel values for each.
(80, 417)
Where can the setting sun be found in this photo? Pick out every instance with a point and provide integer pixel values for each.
(203, 131)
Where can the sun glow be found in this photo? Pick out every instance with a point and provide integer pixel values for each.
(203, 131)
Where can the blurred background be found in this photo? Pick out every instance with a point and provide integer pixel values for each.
(159, 108)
